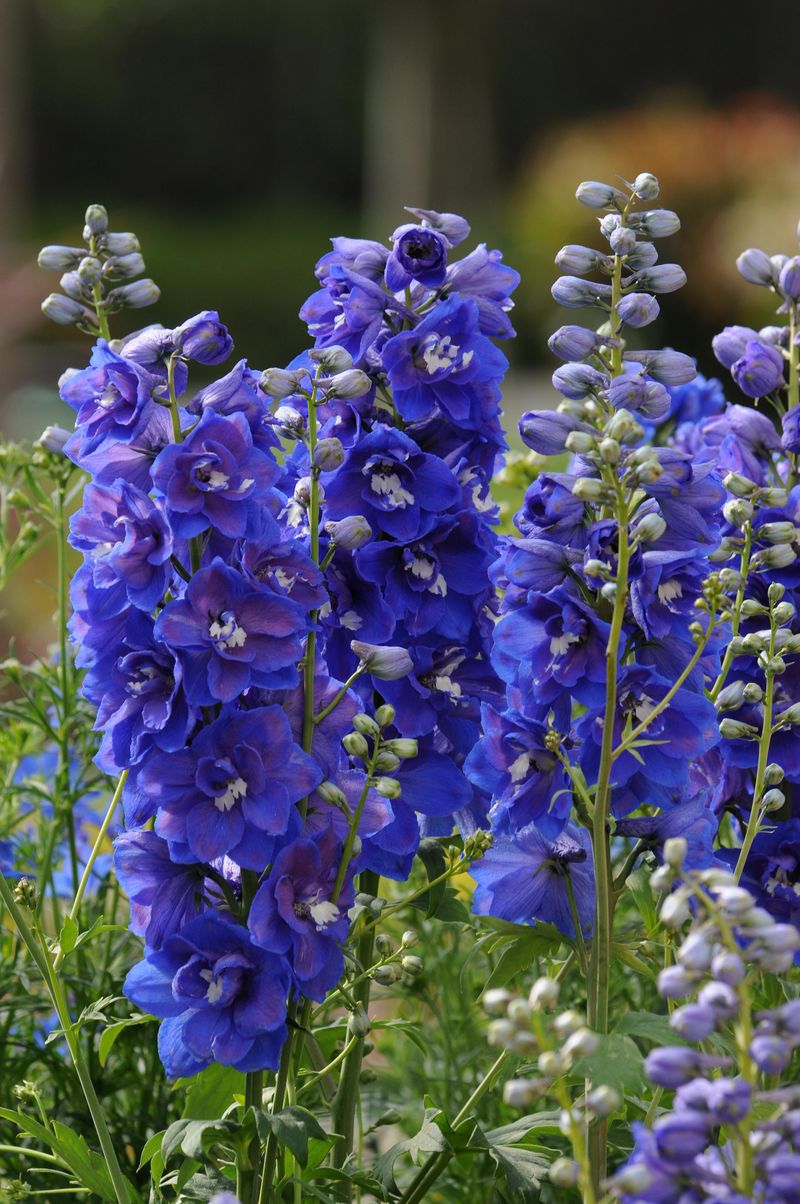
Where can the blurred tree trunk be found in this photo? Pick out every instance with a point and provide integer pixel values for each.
(428, 119)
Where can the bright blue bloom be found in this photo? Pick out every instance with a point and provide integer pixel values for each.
(419, 253)
(164, 895)
(698, 399)
(215, 477)
(772, 870)
(438, 581)
(555, 643)
(482, 277)
(230, 634)
(546, 431)
(111, 458)
(685, 729)
(400, 490)
(238, 392)
(203, 338)
(526, 877)
(444, 362)
(233, 789)
(694, 821)
(759, 370)
(348, 311)
(526, 780)
(136, 683)
(222, 998)
(293, 913)
(112, 397)
(128, 543)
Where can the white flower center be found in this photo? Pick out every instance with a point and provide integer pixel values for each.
(387, 484)
(447, 686)
(518, 769)
(237, 788)
(214, 992)
(669, 590)
(560, 643)
(351, 620)
(443, 354)
(644, 708)
(227, 634)
(323, 913)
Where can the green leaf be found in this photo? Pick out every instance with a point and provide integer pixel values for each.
(648, 1026)
(638, 884)
(293, 1127)
(519, 1129)
(516, 958)
(211, 1092)
(88, 1168)
(68, 935)
(429, 1140)
(151, 1147)
(523, 1169)
(442, 905)
(432, 856)
(110, 1034)
(617, 1062)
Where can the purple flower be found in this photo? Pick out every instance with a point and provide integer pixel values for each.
(546, 431)
(636, 391)
(674, 1065)
(638, 309)
(692, 820)
(438, 581)
(759, 369)
(360, 255)
(526, 780)
(526, 877)
(575, 293)
(444, 362)
(698, 399)
(203, 338)
(400, 490)
(667, 366)
(127, 540)
(790, 439)
(553, 644)
(419, 253)
(482, 277)
(454, 227)
(578, 381)
(293, 913)
(238, 392)
(222, 998)
(109, 458)
(729, 345)
(348, 311)
(112, 397)
(214, 478)
(233, 789)
(164, 894)
(571, 343)
(137, 686)
(230, 634)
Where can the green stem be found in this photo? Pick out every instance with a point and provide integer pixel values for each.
(333, 704)
(744, 570)
(432, 1169)
(102, 316)
(41, 956)
(604, 915)
(344, 1106)
(271, 1149)
(756, 812)
(326, 1070)
(96, 847)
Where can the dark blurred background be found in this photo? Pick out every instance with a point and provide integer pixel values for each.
(235, 139)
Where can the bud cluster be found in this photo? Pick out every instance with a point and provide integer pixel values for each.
(97, 279)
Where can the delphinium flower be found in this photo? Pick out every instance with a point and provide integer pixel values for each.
(268, 565)
(758, 1158)
(599, 642)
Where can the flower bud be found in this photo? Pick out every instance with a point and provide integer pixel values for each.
(633, 1179)
(731, 697)
(500, 1032)
(603, 1100)
(386, 762)
(409, 939)
(580, 442)
(651, 527)
(694, 1021)
(779, 532)
(355, 745)
(645, 186)
(662, 278)
(675, 850)
(366, 725)
(773, 774)
(348, 385)
(544, 994)
(332, 359)
(575, 293)
(738, 485)
(124, 267)
(572, 343)
(773, 800)
(332, 794)
(752, 692)
(577, 381)
(349, 533)
(655, 223)
(388, 787)
(329, 454)
(609, 450)
(136, 295)
(580, 1044)
(520, 1093)
(60, 259)
(387, 662)
(622, 240)
(674, 910)
(564, 1172)
(402, 747)
(53, 439)
(675, 982)
(587, 489)
(280, 383)
(96, 219)
(121, 243)
(412, 964)
(578, 260)
(358, 1024)
(384, 715)
(667, 366)
(755, 266)
(738, 511)
(595, 195)
(778, 556)
(734, 729)
(791, 716)
(567, 1023)
(638, 309)
(89, 271)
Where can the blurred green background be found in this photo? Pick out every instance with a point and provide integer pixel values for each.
(236, 139)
